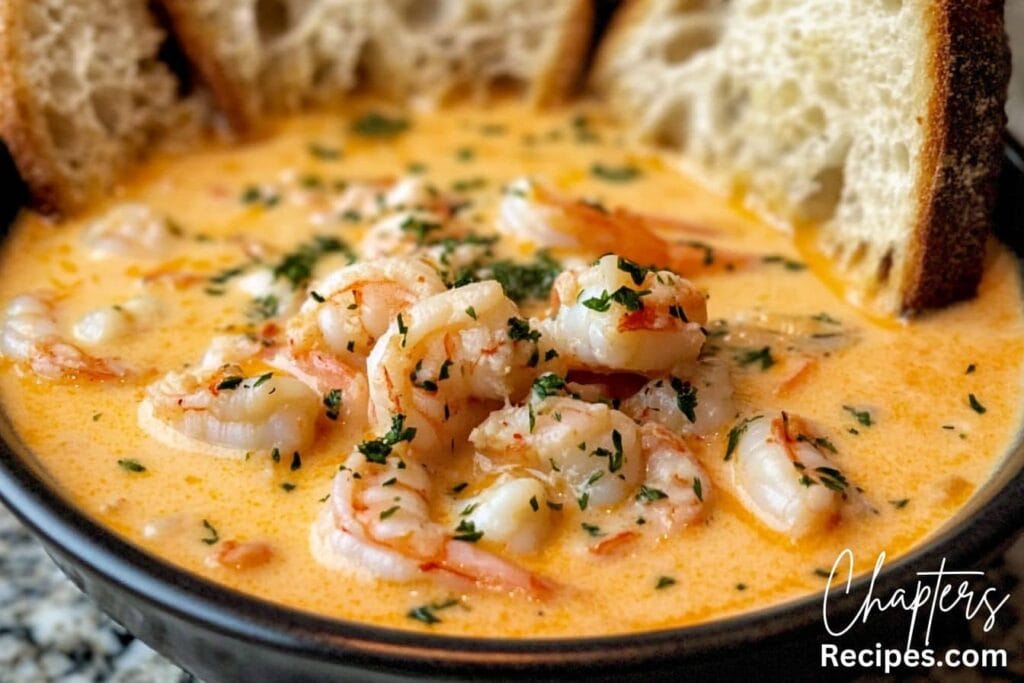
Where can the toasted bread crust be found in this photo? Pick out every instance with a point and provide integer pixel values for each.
(962, 155)
(197, 41)
(29, 146)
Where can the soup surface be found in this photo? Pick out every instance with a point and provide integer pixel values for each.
(231, 467)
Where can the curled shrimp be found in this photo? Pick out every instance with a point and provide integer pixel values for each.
(346, 312)
(616, 315)
(593, 449)
(447, 360)
(600, 457)
(219, 409)
(782, 476)
(29, 334)
(378, 524)
(697, 399)
(532, 212)
(676, 489)
(350, 308)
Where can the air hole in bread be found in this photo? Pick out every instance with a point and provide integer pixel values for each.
(63, 83)
(425, 13)
(884, 267)
(673, 130)
(689, 41)
(107, 108)
(901, 157)
(272, 19)
(822, 204)
(60, 127)
(857, 257)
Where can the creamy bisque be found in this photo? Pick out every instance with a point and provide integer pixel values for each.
(891, 399)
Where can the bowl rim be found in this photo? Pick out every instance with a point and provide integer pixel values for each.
(988, 520)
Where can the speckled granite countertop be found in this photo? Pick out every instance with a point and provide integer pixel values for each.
(51, 633)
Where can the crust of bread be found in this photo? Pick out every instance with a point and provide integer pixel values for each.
(962, 155)
(197, 43)
(568, 57)
(29, 146)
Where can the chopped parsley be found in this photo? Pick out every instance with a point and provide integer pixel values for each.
(735, 433)
(862, 416)
(649, 494)
(787, 263)
(686, 398)
(287, 487)
(698, 489)
(521, 281)
(615, 174)
(831, 478)
(323, 152)
(419, 228)
(664, 582)
(296, 461)
(229, 383)
(332, 402)
(548, 384)
(377, 450)
(427, 614)
(615, 459)
(263, 308)
(376, 125)
(593, 530)
(390, 511)
(297, 266)
(519, 330)
(637, 272)
(762, 356)
(899, 504)
(131, 465)
(976, 406)
(211, 533)
(467, 531)
(630, 299)
(262, 378)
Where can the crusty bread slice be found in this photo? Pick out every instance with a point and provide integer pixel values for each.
(266, 57)
(81, 93)
(877, 121)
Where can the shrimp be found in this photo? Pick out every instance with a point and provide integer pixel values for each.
(352, 307)
(130, 231)
(593, 449)
(378, 524)
(676, 488)
(529, 211)
(616, 315)
(104, 325)
(29, 334)
(347, 311)
(511, 513)
(782, 476)
(448, 358)
(219, 409)
(695, 401)
(600, 455)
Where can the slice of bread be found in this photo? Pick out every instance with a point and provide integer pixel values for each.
(82, 93)
(267, 57)
(878, 122)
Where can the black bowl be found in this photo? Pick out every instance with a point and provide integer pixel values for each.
(224, 635)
